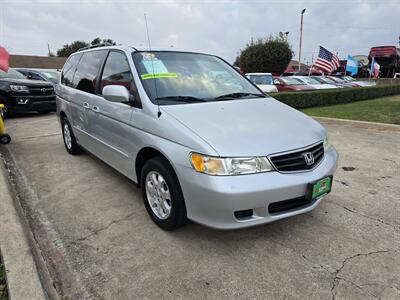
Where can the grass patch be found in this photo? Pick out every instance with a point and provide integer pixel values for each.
(382, 110)
(3, 283)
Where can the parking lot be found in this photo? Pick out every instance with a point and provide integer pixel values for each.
(349, 247)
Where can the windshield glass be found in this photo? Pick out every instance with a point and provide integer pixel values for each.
(292, 81)
(11, 74)
(261, 79)
(51, 75)
(182, 77)
(310, 80)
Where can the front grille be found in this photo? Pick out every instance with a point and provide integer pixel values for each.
(295, 161)
(287, 205)
(41, 90)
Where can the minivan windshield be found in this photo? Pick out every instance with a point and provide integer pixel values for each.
(181, 77)
(11, 74)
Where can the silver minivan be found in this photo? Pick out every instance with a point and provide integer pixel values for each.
(201, 140)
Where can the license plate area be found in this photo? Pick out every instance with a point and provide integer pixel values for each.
(319, 188)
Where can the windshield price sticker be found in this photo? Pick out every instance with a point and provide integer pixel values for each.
(159, 75)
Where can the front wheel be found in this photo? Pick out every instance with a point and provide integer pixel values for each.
(69, 139)
(162, 194)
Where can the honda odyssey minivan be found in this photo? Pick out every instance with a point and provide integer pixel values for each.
(201, 140)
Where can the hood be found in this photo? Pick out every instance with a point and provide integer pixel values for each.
(248, 127)
(27, 82)
(267, 88)
(302, 87)
(324, 86)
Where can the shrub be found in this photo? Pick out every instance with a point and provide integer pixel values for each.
(272, 54)
(335, 96)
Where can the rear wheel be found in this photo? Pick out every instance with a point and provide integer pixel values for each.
(162, 194)
(69, 139)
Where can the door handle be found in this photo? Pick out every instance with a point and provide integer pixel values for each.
(96, 109)
(86, 105)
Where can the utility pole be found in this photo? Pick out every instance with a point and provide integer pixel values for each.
(301, 36)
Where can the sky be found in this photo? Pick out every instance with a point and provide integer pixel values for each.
(218, 27)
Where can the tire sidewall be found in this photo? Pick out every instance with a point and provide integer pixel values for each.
(75, 149)
(177, 217)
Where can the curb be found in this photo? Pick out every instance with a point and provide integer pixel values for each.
(54, 268)
(366, 123)
(22, 276)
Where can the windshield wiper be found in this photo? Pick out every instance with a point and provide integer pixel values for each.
(240, 95)
(188, 99)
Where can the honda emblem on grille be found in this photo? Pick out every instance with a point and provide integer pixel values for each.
(308, 158)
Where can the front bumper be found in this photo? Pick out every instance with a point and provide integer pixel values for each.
(23, 104)
(213, 200)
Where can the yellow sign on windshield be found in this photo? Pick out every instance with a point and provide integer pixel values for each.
(159, 75)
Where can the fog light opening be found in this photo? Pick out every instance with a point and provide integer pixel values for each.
(243, 214)
(22, 101)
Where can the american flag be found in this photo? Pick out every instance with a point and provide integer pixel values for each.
(326, 60)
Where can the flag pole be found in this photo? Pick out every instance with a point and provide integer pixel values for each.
(312, 64)
(370, 69)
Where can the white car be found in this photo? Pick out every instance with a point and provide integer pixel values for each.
(315, 83)
(358, 82)
(264, 81)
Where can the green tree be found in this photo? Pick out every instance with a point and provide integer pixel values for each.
(68, 49)
(271, 54)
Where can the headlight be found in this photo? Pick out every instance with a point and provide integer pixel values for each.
(327, 144)
(19, 88)
(229, 166)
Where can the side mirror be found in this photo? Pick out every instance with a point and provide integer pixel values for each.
(116, 93)
(277, 82)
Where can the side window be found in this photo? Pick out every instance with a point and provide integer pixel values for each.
(85, 78)
(117, 72)
(68, 71)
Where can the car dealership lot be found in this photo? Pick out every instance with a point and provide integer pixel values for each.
(347, 247)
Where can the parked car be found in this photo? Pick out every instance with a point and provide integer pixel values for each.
(327, 80)
(41, 74)
(264, 81)
(343, 82)
(314, 83)
(217, 151)
(355, 81)
(287, 84)
(20, 95)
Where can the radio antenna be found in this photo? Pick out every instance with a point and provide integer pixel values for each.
(152, 66)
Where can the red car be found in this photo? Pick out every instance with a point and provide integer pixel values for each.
(287, 84)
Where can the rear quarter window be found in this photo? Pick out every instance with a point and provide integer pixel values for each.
(68, 71)
(86, 75)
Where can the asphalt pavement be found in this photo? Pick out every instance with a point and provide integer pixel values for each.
(101, 243)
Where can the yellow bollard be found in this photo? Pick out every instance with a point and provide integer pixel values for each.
(4, 137)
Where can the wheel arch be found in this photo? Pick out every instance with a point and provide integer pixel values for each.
(144, 155)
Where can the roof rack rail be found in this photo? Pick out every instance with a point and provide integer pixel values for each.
(96, 46)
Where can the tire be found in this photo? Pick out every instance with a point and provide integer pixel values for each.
(168, 182)
(5, 139)
(68, 137)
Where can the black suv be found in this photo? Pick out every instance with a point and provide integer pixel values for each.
(20, 95)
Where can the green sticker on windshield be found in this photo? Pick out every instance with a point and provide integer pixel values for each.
(159, 75)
